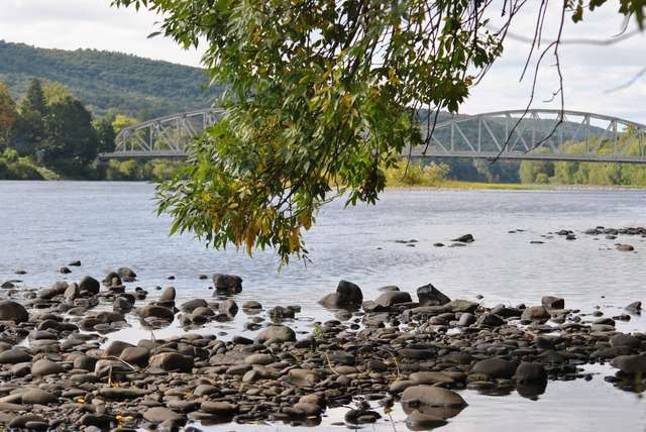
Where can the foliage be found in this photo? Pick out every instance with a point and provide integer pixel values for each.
(72, 141)
(415, 174)
(8, 116)
(122, 121)
(132, 170)
(108, 81)
(13, 167)
(55, 92)
(323, 96)
(105, 134)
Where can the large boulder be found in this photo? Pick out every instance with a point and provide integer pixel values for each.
(432, 400)
(347, 295)
(530, 373)
(535, 313)
(630, 364)
(191, 305)
(430, 296)
(276, 334)
(168, 295)
(155, 311)
(12, 311)
(127, 274)
(227, 284)
(55, 290)
(44, 367)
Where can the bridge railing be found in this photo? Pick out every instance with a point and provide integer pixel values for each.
(542, 134)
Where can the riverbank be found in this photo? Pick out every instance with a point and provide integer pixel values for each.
(420, 354)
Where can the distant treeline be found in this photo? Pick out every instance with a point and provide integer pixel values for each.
(107, 81)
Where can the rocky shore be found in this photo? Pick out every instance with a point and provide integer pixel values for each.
(418, 350)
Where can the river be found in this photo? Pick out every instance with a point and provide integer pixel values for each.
(46, 225)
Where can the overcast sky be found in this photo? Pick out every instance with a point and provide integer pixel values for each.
(589, 70)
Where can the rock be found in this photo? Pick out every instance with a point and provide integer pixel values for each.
(361, 416)
(418, 421)
(432, 400)
(55, 290)
(191, 305)
(552, 303)
(37, 396)
(75, 263)
(259, 358)
(167, 295)
(89, 286)
(634, 307)
(227, 284)
(14, 355)
(625, 247)
(127, 274)
(162, 414)
(12, 311)
(64, 270)
(528, 373)
(466, 238)
(137, 356)
(388, 299)
(121, 393)
(251, 305)
(535, 313)
(116, 348)
(276, 334)
(156, 311)
(21, 421)
(72, 292)
(223, 409)
(495, 368)
(228, 307)
(122, 304)
(490, 320)
(466, 319)
(630, 364)
(44, 367)
(430, 296)
(457, 306)
(171, 361)
(347, 295)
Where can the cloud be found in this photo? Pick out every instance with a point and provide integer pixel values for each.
(589, 71)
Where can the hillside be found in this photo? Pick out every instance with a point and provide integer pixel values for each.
(107, 81)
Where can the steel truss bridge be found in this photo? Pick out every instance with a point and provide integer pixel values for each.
(536, 134)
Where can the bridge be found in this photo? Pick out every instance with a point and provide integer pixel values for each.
(536, 134)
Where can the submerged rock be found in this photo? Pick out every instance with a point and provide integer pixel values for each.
(227, 284)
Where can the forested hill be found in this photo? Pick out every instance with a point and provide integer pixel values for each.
(107, 81)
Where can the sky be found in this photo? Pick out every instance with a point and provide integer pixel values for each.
(590, 71)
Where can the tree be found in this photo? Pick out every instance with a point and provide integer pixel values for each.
(30, 125)
(72, 141)
(105, 134)
(121, 121)
(323, 95)
(55, 92)
(35, 99)
(8, 116)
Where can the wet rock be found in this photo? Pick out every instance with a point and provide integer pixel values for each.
(418, 421)
(227, 284)
(276, 334)
(64, 270)
(116, 348)
(72, 292)
(527, 373)
(127, 274)
(430, 296)
(121, 393)
(167, 295)
(490, 320)
(630, 364)
(625, 247)
(551, 302)
(280, 313)
(171, 361)
(432, 400)
(45, 367)
(122, 304)
(361, 416)
(55, 290)
(251, 305)
(634, 307)
(191, 305)
(228, 307)
(347, 295)
(89, 286)
(458, 306)
(156, 311)
(12, 311)
(222, 409)
(622, 339)
(466, 319)
(21, 421)
(535, 313)
(391, 298)
(466, 238)
(495, 368)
